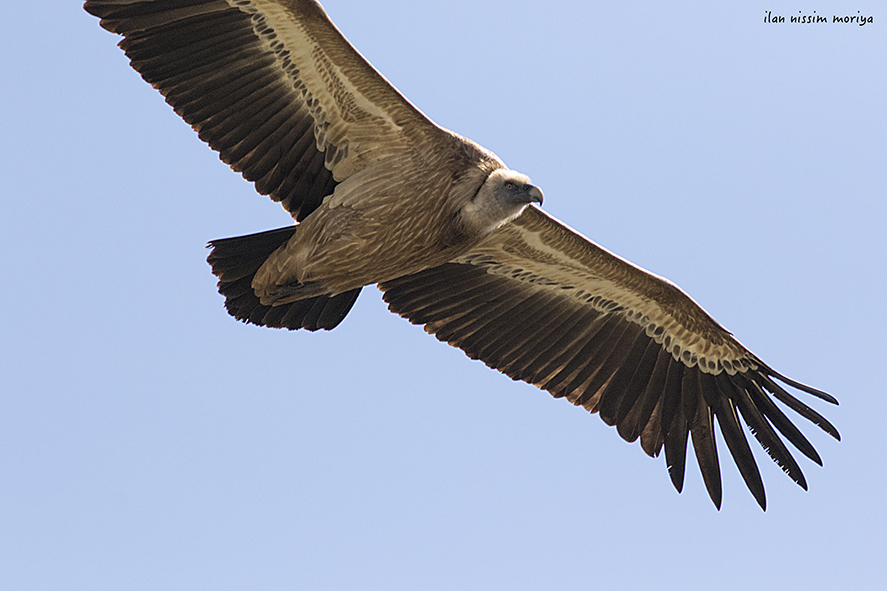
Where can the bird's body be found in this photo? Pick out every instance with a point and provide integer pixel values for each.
(382, 195)
(364, 233)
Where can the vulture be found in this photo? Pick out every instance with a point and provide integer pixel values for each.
(455, 239)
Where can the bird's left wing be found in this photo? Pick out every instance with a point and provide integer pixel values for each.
(543, 304)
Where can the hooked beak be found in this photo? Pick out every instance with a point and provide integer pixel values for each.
(534, 194)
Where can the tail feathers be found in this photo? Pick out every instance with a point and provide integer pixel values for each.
(235, 262)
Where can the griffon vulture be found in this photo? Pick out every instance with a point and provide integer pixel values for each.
(454, 239)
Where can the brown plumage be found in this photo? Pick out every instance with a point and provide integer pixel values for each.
(383, 195)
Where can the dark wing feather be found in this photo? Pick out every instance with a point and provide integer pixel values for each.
(679, 432)
(545, 305)
(736, 442)
(703, 436)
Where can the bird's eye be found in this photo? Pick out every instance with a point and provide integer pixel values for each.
(510, 186)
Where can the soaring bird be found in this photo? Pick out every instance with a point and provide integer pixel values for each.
(454, 238)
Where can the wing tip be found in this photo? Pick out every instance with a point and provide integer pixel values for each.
(803, 387)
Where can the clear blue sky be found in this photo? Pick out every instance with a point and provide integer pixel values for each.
(150, 441)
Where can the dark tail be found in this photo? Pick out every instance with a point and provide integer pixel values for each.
(235, 262)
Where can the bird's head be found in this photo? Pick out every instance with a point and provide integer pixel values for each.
(504, 195)
(514, 189)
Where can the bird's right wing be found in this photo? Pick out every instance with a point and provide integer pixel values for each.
(275, 88)
(542, 303)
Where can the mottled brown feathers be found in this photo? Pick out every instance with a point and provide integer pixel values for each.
(378, 189)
